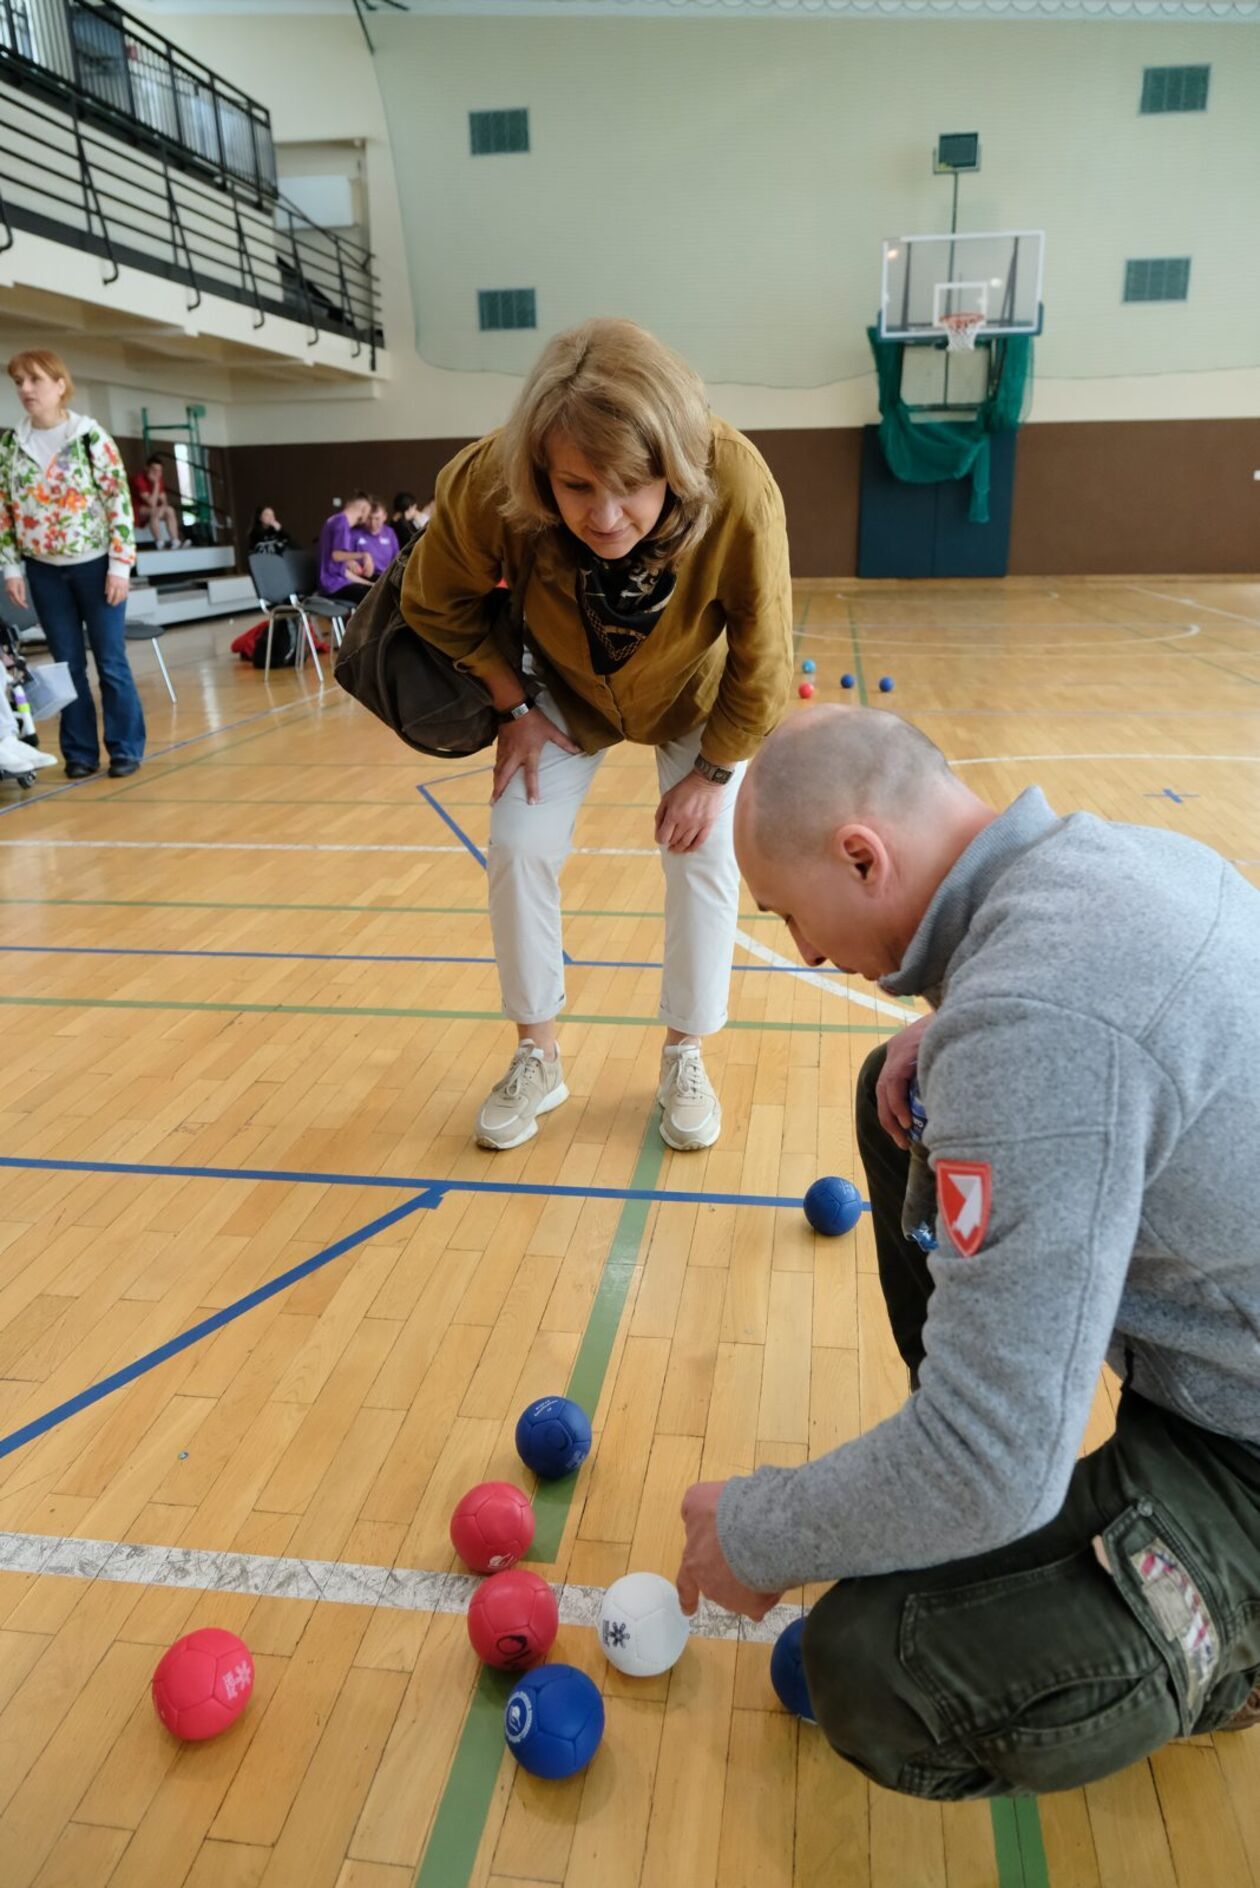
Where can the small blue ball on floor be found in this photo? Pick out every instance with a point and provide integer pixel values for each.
(848, 681)
(553, 1437)
(554, 1721)
(886, 684)
(808, 667)
(833, 1206)
(787, 1672)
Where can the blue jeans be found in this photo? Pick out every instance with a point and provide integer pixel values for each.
(69, 599)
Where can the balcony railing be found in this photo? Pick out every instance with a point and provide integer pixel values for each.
(131, 80)
(62, 179)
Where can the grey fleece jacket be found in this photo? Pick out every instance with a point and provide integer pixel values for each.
(1097, 1048)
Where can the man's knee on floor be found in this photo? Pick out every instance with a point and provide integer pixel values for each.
(852, 1669)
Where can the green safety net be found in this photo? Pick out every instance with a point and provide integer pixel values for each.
(924, 452)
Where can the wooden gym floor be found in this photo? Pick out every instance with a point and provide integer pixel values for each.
(251, 1011)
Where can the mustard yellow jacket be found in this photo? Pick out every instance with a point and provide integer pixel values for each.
(720, 657)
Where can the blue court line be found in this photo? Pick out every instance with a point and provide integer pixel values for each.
(364, 957)
(160, 753)
(431, 1187)
(454, 825)
(118, 1379)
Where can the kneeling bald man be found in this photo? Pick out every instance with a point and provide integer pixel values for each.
(1007, 1617)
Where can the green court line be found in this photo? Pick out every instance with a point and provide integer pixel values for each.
(857, 657)
(553, 1500)
(459, 1825)
(452, 1847)
(231, 904)
(1017, 1842)
(350, 1009)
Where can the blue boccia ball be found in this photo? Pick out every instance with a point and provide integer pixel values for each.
(787, 1672)
(554, 1721)
(833, 1206)
(886, 684)
(808, 667)
(848, 681)
(553, 1437)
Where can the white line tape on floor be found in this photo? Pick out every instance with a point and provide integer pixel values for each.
(756, 948)
(255, 845)
(335, 1582)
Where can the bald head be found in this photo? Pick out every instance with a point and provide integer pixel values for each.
(829, 766)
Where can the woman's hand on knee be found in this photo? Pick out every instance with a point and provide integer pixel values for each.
(892, 1091)
(685, 816)
(519, 750)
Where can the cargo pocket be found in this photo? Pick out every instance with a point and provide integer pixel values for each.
(1044, 1677)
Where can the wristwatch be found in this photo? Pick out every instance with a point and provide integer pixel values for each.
(707, 771)
(504, 715)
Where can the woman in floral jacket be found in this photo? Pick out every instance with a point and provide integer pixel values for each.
(65, 510)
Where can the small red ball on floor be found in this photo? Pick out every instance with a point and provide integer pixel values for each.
(513, 1620)
(805, 690)
(203, 1683)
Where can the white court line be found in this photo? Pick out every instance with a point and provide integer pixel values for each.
(254, 845)
(1182, 759)
(757, 949)
(1193, 603)
(876, 641)
(335, 1582)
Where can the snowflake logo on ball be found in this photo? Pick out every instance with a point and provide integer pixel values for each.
(520, 1717)
(616, 1632)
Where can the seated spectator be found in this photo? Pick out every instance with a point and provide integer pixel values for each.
(409, 517)
(343, 570)
(267, 533)
(153, 508)
(375, 541)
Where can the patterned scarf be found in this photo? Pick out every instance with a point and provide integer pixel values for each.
(620, 604)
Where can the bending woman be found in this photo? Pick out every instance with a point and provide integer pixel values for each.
(647, 542)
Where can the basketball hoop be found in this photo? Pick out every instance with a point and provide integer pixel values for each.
(961, 331)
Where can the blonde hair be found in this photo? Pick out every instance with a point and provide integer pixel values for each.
(634, 409)
(42, 360)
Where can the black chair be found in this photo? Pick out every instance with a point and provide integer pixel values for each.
(278, 581)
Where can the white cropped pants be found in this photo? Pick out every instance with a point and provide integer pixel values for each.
(528, 847)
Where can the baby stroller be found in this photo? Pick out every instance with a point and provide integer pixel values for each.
(20, 756)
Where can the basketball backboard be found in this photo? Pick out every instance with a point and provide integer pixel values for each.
(993, 273)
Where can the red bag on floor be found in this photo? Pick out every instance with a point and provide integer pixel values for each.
(249, 639)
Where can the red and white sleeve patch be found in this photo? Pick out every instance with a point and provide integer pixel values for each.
(964, 1192)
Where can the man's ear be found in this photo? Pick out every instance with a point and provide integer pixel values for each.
(859, 851)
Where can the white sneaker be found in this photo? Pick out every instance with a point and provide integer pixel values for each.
(19, 757)
(533, 1085)
(691, 1114)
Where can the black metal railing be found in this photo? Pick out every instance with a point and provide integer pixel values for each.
(63, 179)
(126, 77)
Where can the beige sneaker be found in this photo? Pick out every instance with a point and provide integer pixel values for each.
(691, 1115)
(532, 1086)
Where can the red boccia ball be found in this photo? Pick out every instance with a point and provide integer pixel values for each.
(805, 690)
(513, 1621)
(203, 1683)
(492, 1527)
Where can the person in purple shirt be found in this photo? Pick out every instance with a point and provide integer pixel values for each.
(377, 539)
(344, 571)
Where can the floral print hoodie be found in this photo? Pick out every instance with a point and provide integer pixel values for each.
(76, 508)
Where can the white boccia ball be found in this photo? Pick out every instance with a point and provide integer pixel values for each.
(642, 1628)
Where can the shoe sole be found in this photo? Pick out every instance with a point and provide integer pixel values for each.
(553, 1100)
